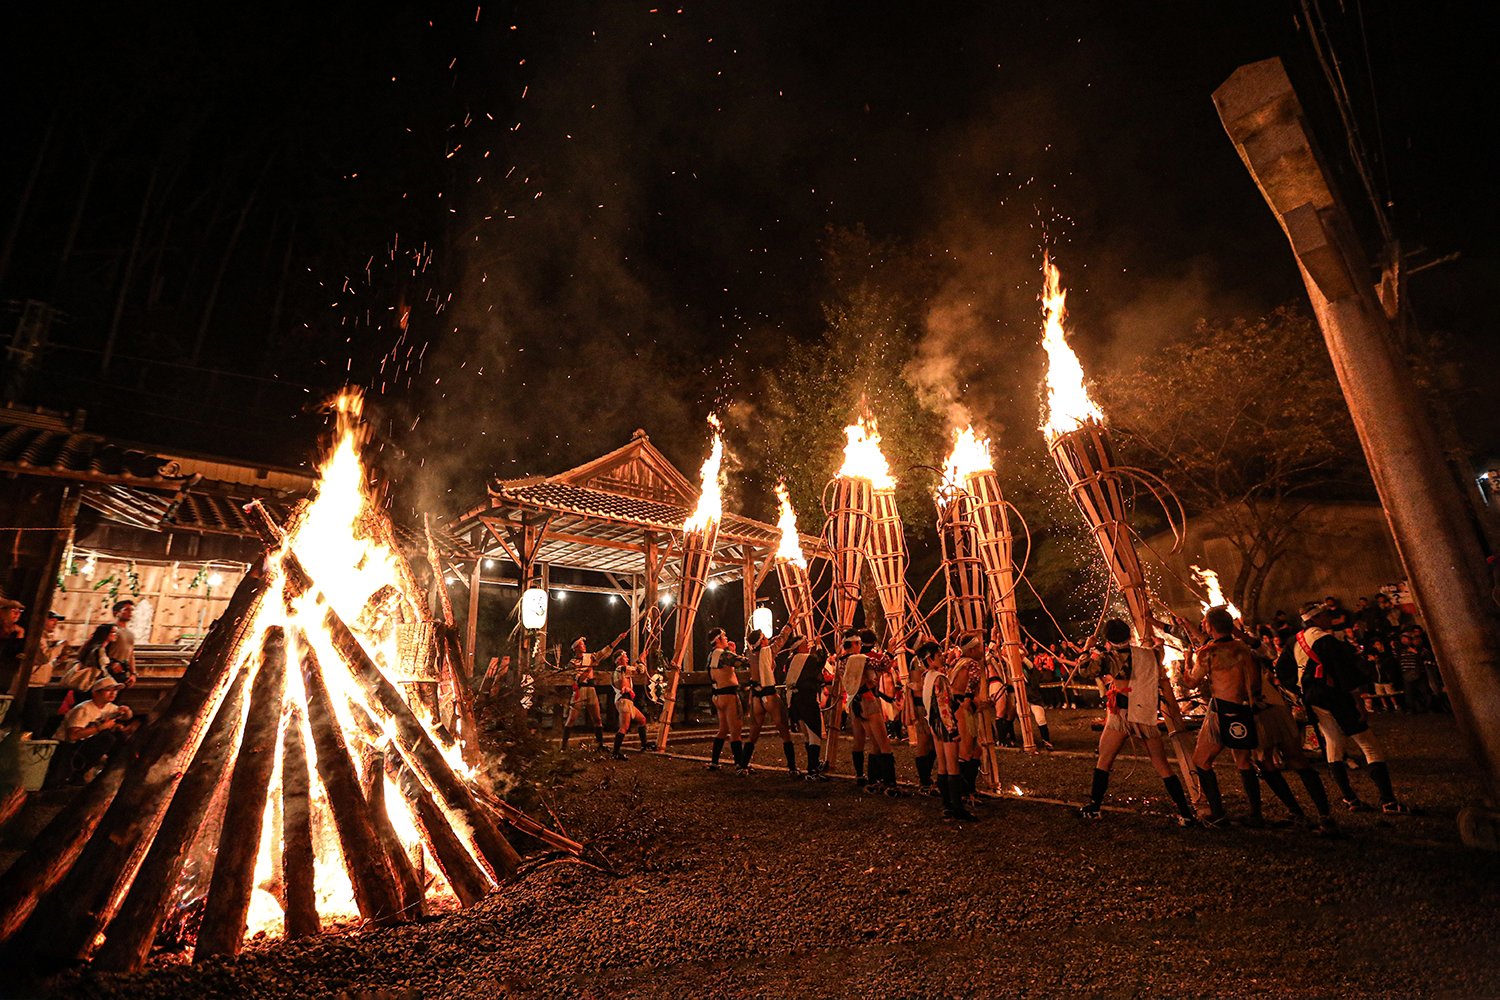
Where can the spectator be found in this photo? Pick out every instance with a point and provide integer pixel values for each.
(1435, 686)
(1387, 673)
(1369, 623)
(1284, 630)
(93, 661)
(122, 646)
(34, 713)
(93, 729)
(1396, 620)
(1342, 620)
(1416, 695)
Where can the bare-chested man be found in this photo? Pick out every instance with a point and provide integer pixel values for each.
(806, 676)
(765, 699)
(625, 706)
(1137, 683)
(921, 730)
(964, 679)
(585, 701)
(722, 663)
(1230, 668)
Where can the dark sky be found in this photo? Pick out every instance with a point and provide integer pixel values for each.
(604, 216)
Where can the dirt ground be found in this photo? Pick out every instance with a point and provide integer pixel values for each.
(778, 887)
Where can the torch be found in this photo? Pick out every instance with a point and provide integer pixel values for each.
(1080, 445)
(970, 461)
(847, 531)
(791, 570)
(699, 533)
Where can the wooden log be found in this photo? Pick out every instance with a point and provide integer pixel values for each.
(223, 926)
(11, 801)
(57, 846)
(469, 882)
(364, 858)
(85, 900)
(298, 872)
(410, 736)
(413, 897)
(463, 697)
(129, 936)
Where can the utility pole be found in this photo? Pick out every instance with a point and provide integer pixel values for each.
(1436, 535)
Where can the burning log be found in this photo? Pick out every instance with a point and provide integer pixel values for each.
(413, 898)
(298, 868)
(364, 858)
(463, 696)
(700, 533)
(129, 935)
(229, 891)
(467, 879)
(86, 899)
(52, 854)
(410, 736)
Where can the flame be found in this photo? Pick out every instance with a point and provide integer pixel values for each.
(1210, 581)
(339, 542)
(711, 501)
(971, 453)
(791, 544)
(1068, 402)
(862, 455)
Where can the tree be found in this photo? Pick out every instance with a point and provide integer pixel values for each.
(1248, 425)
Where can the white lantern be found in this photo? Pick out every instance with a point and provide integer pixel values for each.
(534, 608)
(762, 622)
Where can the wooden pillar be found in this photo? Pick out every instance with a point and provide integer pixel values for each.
(472, 626)
(635, 617)
(546, 571)
(747, 585)
(41, 599)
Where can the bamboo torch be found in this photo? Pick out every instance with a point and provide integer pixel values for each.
(791, 570)
(699, 533)
(963, 571)
(851, 519)
(1080, 445)
(970, 463)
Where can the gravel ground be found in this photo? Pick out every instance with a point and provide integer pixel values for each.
(769, 886)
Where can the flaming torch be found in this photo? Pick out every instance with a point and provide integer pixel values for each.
(699, 533)
(1210, 581)
(791, 570)
(970, 463)
(1080, 445)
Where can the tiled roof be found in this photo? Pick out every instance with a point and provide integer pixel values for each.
(597, 503)
(48, 451)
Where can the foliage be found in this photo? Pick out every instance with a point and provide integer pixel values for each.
(1247, 423)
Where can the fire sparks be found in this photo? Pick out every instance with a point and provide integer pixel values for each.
(971, 453)
(711, 501)
(1068, 402)
(1210, 581)
(862, 456)
(791, 546)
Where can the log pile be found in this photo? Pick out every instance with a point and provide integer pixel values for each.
(286, 763)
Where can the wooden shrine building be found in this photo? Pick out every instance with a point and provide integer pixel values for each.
(619, 516)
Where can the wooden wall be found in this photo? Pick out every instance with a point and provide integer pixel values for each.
(164, 591)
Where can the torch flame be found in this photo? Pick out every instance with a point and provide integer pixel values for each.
(791, 546)
(711, 501)
(1210, 581)
(1068, 402)
(971, 453)
(862, 455)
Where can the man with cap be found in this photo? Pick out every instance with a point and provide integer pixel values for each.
(92, 728)
(34, 715)
(1329, 671)
(1137, 684)
(765, 700)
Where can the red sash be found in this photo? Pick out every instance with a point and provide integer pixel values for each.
(1312, 657)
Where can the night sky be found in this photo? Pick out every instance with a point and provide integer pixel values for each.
(530, 228)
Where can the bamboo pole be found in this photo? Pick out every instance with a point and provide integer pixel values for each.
(86, 898)
(997, 550)
(364, 858)
(847, 530)
(518, 819)
(697, 559)
(468, 880)
(223, 927)
(412, 896)
(298, 871)
(129, 936)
